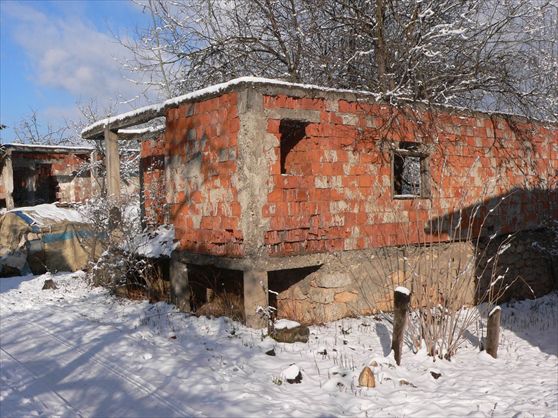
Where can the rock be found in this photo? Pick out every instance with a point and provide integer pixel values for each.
(321, 295)
(293, 335)
(405, 382)
(297, 379)
(334, 311)
(292, 374)
(435, 374)
(285, 323)
(334, 280)
(49, 284)
(344, 297)
(271, 352)
(366, 378)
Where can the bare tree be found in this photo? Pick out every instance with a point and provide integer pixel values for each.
(493, 55)
(32, 131)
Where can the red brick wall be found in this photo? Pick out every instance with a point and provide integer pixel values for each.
(80, 187)
(200, 143)
(77, 189)
(344, 201)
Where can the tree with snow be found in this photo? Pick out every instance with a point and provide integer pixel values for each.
(486, 54)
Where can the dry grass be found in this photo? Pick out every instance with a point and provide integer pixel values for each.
(223, 304)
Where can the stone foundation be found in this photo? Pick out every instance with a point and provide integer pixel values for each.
(529, 264)
(326, 287)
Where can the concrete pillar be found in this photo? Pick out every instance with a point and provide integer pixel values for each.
(8, 179)
(94, 174)
(112, 163)
(255, 295)
(142, 192)
(180, 291)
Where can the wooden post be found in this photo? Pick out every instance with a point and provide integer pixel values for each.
(112, 163)
(401, 300)
(493, 332)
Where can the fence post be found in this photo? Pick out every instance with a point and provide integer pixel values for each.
(401, 300)
(493, 332)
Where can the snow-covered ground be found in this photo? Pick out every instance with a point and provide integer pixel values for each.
(77, 351)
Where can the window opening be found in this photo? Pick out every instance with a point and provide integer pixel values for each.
(292, 132)
(409, 171)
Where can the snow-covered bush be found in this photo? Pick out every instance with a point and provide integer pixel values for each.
(445, 279)
(128, 263)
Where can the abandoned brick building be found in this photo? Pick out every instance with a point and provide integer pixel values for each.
(32, 174)
(319, 195)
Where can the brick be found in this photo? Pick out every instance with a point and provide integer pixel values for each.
(338, 164)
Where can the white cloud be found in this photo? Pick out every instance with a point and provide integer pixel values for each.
(69, 53)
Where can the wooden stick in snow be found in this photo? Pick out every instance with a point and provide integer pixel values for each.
(401, 300)
(493, 332)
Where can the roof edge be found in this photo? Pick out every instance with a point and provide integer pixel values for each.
(146, 113)
(47, 148)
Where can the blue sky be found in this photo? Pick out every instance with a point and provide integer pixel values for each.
(55, 54)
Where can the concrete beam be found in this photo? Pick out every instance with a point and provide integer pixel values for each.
(255, 296)
(135, 118)
(312, 116)
(112, 163)
(151, 132)
(258, 263)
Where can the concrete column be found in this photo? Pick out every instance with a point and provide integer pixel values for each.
(8, 178)
(94, 174)
(255, 295)
(112, 163)
(180, 291)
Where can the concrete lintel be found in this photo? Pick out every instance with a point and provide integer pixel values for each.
(312, 116)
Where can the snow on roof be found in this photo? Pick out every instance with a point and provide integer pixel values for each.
(140, 131)
(39, 147)
(143, 114)
(158, 108)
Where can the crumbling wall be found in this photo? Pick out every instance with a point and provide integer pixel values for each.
(74, 182)
(264, 179)
(344, 200)
(40, 177)
(201, 175)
